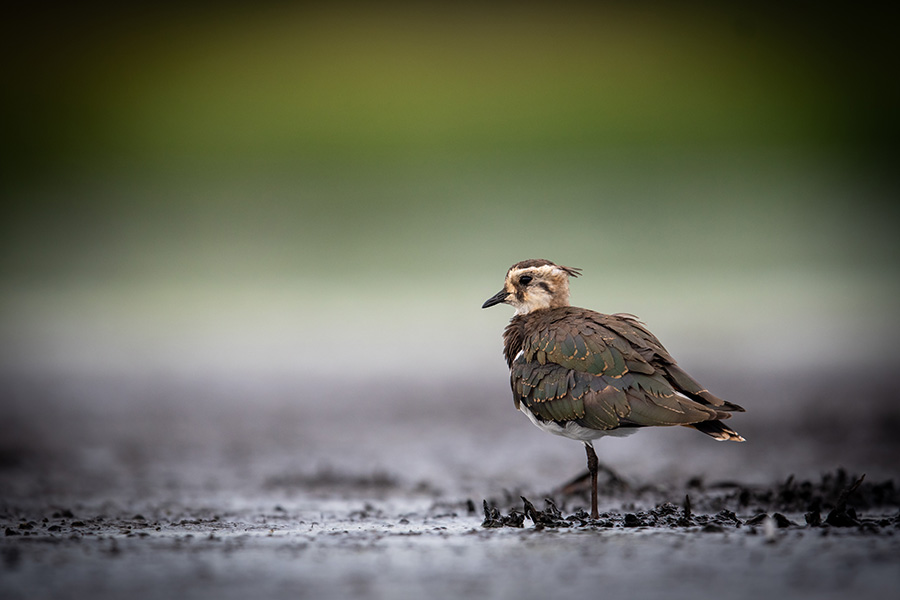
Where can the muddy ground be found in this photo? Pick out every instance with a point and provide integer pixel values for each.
(181, 487)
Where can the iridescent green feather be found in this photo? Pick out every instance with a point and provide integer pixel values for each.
(604, 371)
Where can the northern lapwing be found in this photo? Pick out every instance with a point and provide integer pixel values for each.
(584, 375)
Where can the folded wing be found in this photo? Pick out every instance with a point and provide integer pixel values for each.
(608, 371)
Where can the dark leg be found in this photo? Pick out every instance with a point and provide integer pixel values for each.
(593, 465)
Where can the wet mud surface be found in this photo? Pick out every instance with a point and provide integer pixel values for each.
(166, 499)
(361, 538)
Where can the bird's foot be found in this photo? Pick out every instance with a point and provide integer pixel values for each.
(613, 482)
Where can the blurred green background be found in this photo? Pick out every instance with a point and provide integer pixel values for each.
(335, 188)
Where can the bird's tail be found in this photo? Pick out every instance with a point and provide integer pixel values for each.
(718, 430)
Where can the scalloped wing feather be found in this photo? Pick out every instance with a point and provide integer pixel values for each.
(604, 372)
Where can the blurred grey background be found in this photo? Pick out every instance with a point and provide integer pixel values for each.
(258, 237)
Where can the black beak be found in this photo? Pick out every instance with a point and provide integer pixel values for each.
(495, 299)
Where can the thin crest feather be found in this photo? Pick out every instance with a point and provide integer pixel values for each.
(543, 262)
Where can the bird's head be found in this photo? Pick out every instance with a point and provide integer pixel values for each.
(533, 285)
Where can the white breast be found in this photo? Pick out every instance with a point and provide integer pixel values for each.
(573, 430)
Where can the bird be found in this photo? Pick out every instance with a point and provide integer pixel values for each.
(584, 375)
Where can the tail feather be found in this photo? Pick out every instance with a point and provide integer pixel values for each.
(718, 430)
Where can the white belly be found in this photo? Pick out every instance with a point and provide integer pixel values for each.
(573, 430)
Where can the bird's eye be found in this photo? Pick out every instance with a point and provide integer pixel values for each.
(525, 279)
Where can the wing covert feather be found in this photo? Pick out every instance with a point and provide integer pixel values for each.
(603, 372)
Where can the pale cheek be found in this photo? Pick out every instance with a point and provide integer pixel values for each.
(536, 300)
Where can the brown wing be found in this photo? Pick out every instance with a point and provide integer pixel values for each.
(603, 372)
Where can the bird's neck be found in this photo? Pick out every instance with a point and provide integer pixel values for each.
(514, 338)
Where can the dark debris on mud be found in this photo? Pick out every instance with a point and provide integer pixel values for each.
(836, 500)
